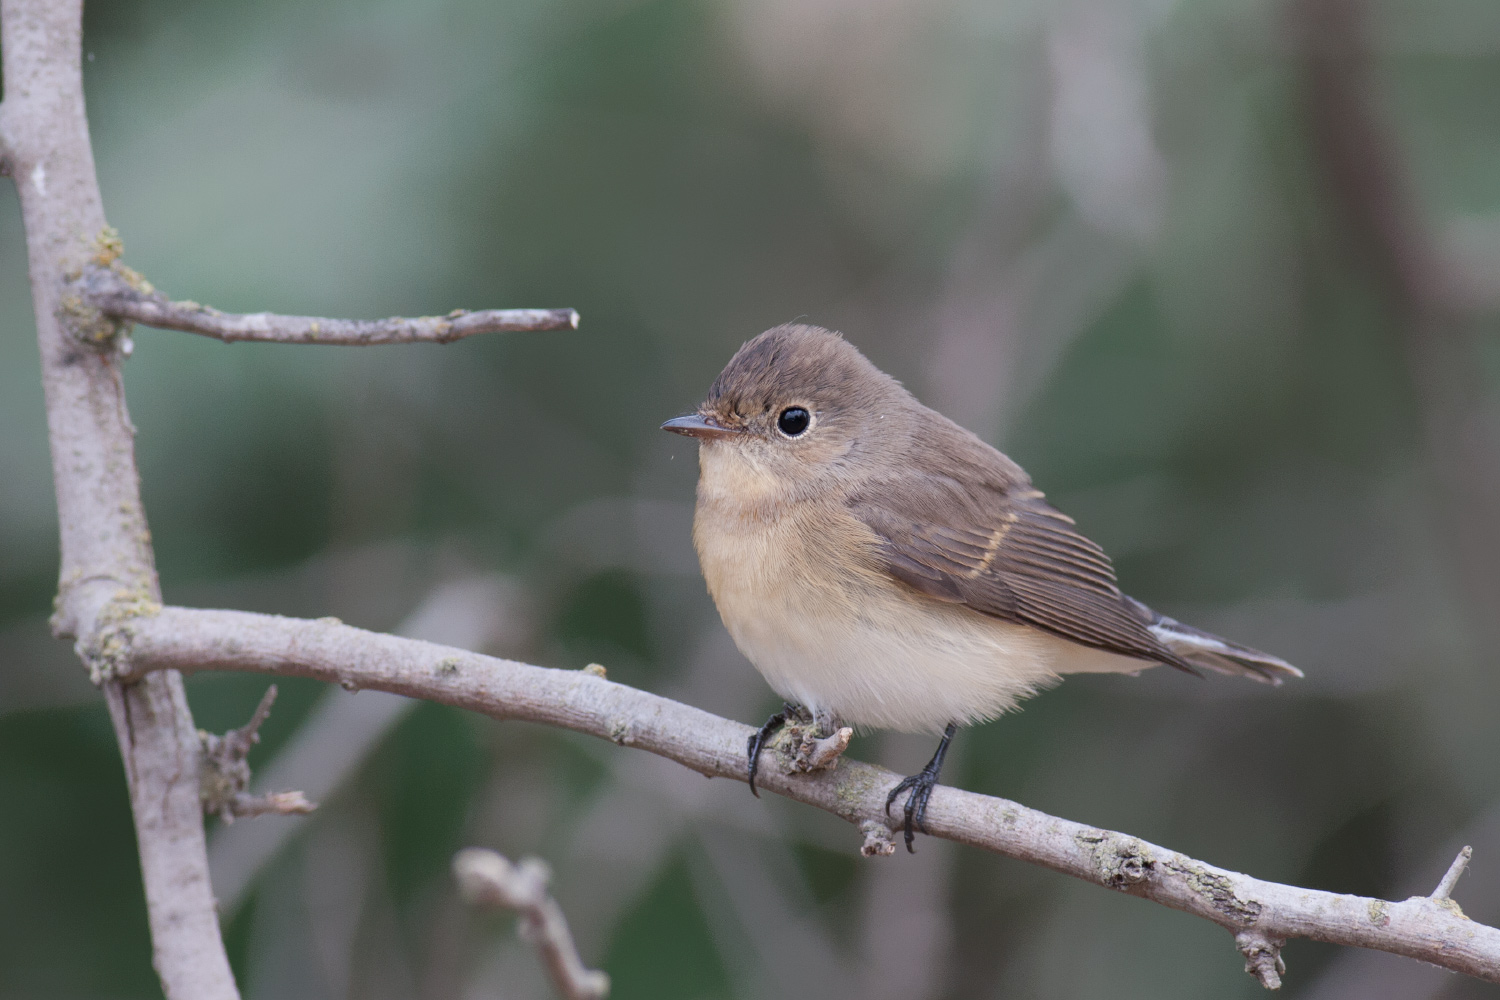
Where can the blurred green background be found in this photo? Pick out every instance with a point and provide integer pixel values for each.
(1126, 241)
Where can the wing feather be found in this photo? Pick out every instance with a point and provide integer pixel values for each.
(1003, 551)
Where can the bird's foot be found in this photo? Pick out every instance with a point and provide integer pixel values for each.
(818, 740)
(920, 786)
(762, 736)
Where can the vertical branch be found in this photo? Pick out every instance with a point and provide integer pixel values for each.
(107, 567)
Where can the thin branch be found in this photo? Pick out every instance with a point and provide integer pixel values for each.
(244, 805)
(225, 773)
(487, 878)
(1444, 888)
(239, 741)
(107, 569)
(187, 639)
(117, 291)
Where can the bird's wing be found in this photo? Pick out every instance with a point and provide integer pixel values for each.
(1002, 550)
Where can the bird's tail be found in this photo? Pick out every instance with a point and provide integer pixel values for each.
(1209, 652)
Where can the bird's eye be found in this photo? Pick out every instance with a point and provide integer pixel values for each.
(793, 421)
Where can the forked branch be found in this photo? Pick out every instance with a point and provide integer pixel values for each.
(489, 879)
(1260, 914)
(224, 775)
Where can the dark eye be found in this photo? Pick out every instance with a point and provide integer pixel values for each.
(793, 421)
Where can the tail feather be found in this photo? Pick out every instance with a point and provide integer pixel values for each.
(1208, 651)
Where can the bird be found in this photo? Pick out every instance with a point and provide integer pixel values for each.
(884, 568)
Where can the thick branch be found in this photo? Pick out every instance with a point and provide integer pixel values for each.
(120, 293)
(107, 568)
(1261, 914)
(488, 878)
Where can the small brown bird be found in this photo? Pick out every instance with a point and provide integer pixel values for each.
(883, 567)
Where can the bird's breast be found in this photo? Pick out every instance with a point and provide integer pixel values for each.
(771, 571)
(801, 590)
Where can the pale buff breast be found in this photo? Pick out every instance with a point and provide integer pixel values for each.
(837, 634)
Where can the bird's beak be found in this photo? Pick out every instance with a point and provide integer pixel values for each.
(693, 425)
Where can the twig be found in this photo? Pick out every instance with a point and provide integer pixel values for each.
(186, 639)
(239, 741)
(1262, 957)
(819, 754)
(225, 773)
(488, 878)
(1444, 888)
(270, 804)
(120, 293)
(878, 842)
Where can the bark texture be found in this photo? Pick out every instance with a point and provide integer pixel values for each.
(108, 572)
(116, 291)
(1261, 915)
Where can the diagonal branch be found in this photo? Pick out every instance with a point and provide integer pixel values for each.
(118, 292)
(1455, 872)
(490, 879)
(1261, 914)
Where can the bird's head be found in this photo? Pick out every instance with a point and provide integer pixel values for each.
(795, 407)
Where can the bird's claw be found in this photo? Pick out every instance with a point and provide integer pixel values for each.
(762, 736)
(920, 785)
